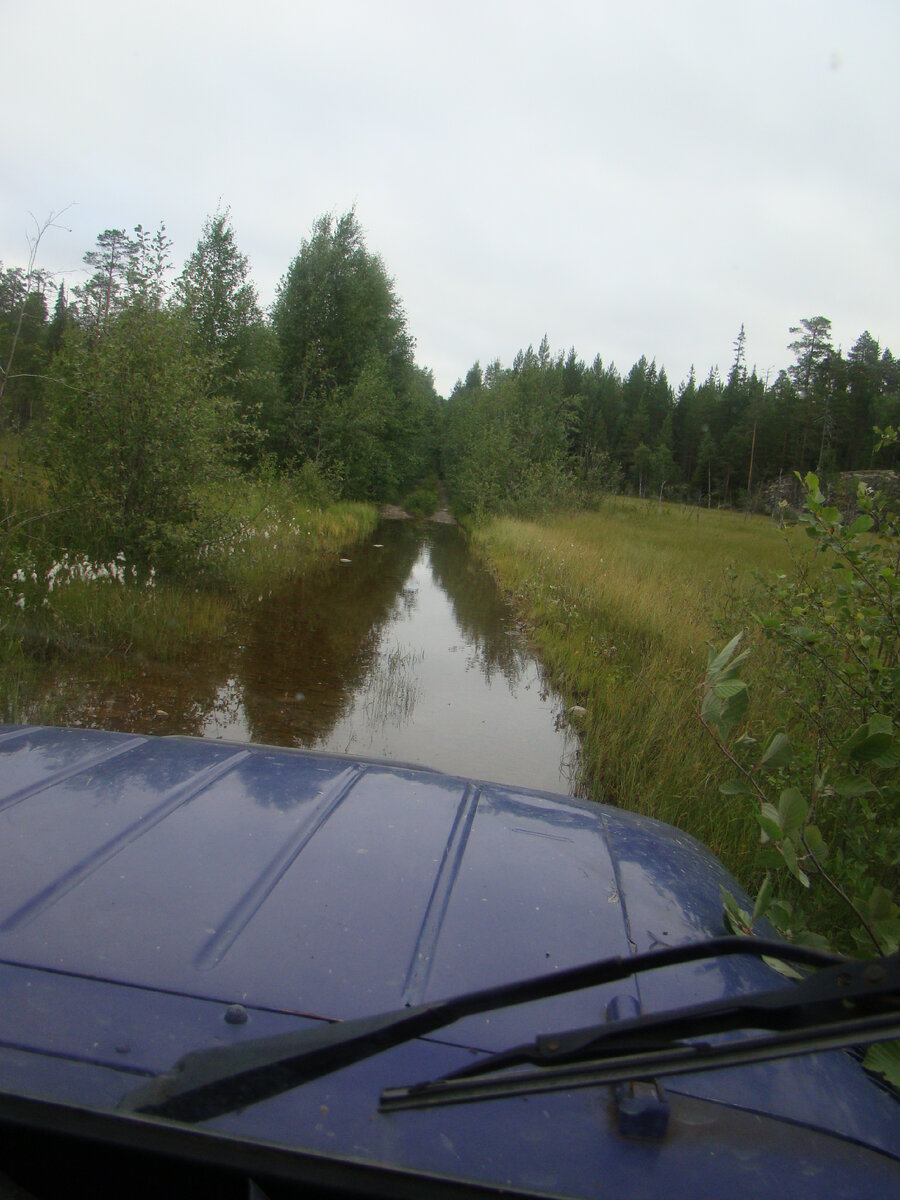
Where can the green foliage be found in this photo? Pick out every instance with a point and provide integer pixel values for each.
(830, 777)
(353, 399)
(220, 303)
(425, 500)
(823, 790)
(335, 308)
(99, 295)
(357, 431)
(318, 486)
(275, 528)
(132, 435)
(25, 340)
(23, 349)
(506, 441)
(127, 273)
(215, 290)
(331, 379)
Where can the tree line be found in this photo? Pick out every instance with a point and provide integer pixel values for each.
(139, 393)
(140, 388)
(549, 425)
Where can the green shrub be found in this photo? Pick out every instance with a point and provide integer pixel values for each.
(424, 501)
(131, 438)
(823, 787)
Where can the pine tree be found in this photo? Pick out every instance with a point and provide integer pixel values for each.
(59, 322)
(105, 293)
(812, 349)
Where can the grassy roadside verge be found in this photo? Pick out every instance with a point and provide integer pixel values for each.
(620, 605)
(66, 607)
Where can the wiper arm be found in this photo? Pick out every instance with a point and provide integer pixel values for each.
(208, 1083)
(853, 1003)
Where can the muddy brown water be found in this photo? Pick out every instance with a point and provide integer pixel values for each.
(405, 649)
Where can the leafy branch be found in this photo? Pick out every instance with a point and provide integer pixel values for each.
(788, 826)
(832, 776)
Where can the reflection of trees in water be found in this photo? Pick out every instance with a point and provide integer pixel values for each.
(225, 711)
(292, 664)
(157, 698)
(288, 670)
(478, 607)
(311, 645)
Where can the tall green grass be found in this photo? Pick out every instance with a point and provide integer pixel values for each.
(56, 605)
(110, 618)
(621, 605)
(273, 534)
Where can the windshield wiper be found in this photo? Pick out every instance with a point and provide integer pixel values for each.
(853, 1003)
(208, 1083)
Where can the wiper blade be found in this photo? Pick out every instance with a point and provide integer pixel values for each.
(853, 1003)
(208, 1083)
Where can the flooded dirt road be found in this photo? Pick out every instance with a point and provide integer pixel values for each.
(403, 649)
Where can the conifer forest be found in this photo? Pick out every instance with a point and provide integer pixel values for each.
(145, 380)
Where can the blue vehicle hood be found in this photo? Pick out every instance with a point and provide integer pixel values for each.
(147, 882)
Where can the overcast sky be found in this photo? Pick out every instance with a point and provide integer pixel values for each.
(630, 178)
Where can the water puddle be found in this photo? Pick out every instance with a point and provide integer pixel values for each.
(403, 650)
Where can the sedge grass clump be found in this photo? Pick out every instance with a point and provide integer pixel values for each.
(160, 624)
(621, 604)
(260, 532)
(76, 605)
(279, 536)
(344, 523)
